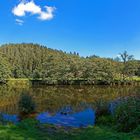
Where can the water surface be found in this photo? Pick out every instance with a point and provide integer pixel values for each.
(65, 105)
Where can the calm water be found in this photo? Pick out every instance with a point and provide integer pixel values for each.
(65, 105)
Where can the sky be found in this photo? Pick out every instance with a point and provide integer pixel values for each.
(101, 27)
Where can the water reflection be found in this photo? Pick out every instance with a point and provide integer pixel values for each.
(63, 105)
(66, 118)
(54, 98)
(4, 118)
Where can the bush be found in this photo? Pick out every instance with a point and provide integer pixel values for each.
(137, 131)
(2, 120)
(127, 114)
(101, 108)
(105, 120)
(26, 104)
(28, 124)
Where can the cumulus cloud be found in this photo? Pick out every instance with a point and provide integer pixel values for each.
(19, 22)
(30, 7)
(47, 15)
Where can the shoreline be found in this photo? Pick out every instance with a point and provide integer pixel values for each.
(51, 82)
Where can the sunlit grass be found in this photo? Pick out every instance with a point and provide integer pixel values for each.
(136, 78)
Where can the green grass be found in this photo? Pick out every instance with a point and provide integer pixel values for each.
(21, 81)
(135, 78)
(30, 130)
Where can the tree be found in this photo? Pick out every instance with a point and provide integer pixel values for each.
(126, 57)
(129, 65)
(5, 69)
(39, 62)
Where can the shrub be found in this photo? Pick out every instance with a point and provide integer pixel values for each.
(2, 120)
(28, 124)
(137, 131)
(105, 120)
(115, 103)
(127, 114)
(26, 104)
(101, 108)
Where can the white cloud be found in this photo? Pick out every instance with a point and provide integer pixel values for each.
(19, 22)
(48, 14)
(30, 7)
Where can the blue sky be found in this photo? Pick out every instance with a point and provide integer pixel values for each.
(101, 27)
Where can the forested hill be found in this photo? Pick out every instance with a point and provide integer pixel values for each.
(39, 62)
(35, 61)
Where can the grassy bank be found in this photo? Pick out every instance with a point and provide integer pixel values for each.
(31, 130)
(18, 82)
(35, 82)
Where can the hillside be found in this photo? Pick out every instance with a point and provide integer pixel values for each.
(39, 62)
(32, 60)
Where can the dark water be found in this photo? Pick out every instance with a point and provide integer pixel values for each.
(63, 105)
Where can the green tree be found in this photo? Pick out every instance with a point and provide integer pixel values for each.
(129, 66)
(5, 69)
(36, 61)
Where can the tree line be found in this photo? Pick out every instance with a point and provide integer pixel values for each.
(39, 62)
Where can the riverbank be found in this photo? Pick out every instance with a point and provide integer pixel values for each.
(29, 129)
(38, 82)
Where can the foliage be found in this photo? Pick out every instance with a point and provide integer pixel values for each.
(34, 61)
(2, 120)
(127, 114)
(28, 129)
(126, 57)
(129, 67)
(28, 124)
(5, 69)
(105, 120)
(137, 131)
(101, 107)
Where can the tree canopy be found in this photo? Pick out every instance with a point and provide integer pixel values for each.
(39, 62)
(5, 68)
